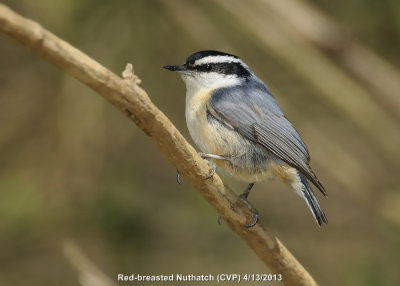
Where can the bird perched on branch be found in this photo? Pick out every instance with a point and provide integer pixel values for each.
(238, 125)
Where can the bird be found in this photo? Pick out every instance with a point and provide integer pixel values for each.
(238, 125)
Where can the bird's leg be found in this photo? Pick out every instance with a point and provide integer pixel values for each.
(212, 164)
(243, 197)
(213, 156)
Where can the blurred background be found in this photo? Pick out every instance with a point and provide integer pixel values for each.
(85, 195)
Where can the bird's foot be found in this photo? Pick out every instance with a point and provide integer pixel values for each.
(253, 210)
(212, 164)
(213, 167)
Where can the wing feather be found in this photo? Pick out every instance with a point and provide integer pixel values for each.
(254, 113)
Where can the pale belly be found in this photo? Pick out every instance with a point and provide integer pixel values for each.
(249, 162)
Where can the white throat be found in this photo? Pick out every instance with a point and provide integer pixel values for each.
(198, 82)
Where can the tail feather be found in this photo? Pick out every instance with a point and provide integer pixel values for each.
(307, 193)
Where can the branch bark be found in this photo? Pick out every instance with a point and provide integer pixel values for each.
(132, 100)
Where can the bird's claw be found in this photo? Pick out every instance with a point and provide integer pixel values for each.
(213, 169)
(253, 210)
(212, 165)
(178, 177)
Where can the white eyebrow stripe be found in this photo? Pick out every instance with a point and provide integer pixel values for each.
(218, 59)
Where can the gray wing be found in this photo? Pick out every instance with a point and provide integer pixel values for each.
(253, 112)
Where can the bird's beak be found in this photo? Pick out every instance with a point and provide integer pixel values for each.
(180, 69)
(175, 68)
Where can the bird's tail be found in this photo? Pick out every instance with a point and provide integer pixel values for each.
(303, 188)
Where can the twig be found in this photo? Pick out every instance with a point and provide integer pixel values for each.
(89, 273)
(131, 99)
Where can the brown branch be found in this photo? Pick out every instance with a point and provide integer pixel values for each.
(131, 99)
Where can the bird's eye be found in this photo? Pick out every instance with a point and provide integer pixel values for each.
(208, 67)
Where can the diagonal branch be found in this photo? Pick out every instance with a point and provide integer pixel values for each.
(132, 100)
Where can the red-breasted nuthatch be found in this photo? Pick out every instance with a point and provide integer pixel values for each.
(237, 123)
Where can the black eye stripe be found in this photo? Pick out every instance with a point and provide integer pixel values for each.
(223, 68)
(204, 68)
